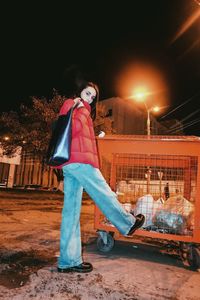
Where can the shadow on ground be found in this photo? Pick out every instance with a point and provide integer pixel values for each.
(167, 254)
(16, 267)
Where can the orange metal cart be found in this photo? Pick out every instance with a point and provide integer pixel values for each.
(158, 176)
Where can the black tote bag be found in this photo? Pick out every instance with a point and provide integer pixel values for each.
(60, 142)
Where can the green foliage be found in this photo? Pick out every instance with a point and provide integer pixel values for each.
(102, 121)
(31, 127)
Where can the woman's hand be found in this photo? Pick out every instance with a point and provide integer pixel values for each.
(77, 101)
(101, 134)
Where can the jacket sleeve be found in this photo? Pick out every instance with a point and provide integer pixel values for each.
(66, 106)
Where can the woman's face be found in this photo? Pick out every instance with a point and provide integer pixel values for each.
(88, 94)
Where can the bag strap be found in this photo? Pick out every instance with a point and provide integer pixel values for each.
(75, 105)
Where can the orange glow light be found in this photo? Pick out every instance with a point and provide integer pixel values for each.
(140, 93)
(142, 82)
(156, 108)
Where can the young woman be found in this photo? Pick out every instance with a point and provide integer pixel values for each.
(82, 171)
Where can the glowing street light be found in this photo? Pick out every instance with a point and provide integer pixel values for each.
(6, 138)
(155, 108)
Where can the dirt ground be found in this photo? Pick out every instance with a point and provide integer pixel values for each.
(29, 247)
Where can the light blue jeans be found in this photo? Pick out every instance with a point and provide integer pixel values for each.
(76, 177)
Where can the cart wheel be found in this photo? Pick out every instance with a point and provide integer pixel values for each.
(105, 246)
(193, 257)
(183, 251)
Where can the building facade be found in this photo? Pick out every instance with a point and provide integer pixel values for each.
(129, 119)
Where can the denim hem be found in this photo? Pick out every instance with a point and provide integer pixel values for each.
(73, 264)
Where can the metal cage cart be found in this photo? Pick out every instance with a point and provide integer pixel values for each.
(158, 176)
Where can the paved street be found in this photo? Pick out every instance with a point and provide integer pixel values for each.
(29, 239)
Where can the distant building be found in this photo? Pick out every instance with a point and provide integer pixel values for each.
(129, 119)
(8, 167)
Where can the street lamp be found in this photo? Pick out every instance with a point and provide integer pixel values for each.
(6, 138)
(140, 96)
(154, 109)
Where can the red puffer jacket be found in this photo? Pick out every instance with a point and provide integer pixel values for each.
(83, 147)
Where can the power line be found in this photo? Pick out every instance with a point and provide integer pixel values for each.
(188, 100)
(187, 117)
(180, 127)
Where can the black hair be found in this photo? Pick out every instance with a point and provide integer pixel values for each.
(84, 84)
(74, 81)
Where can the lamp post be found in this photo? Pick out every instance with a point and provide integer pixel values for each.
(148, 120)
(140, 97)
(154, 109)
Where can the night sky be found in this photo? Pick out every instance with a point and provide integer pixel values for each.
(103, 39)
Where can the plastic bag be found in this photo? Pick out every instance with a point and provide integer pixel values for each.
(145, 206)
(170, 222)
